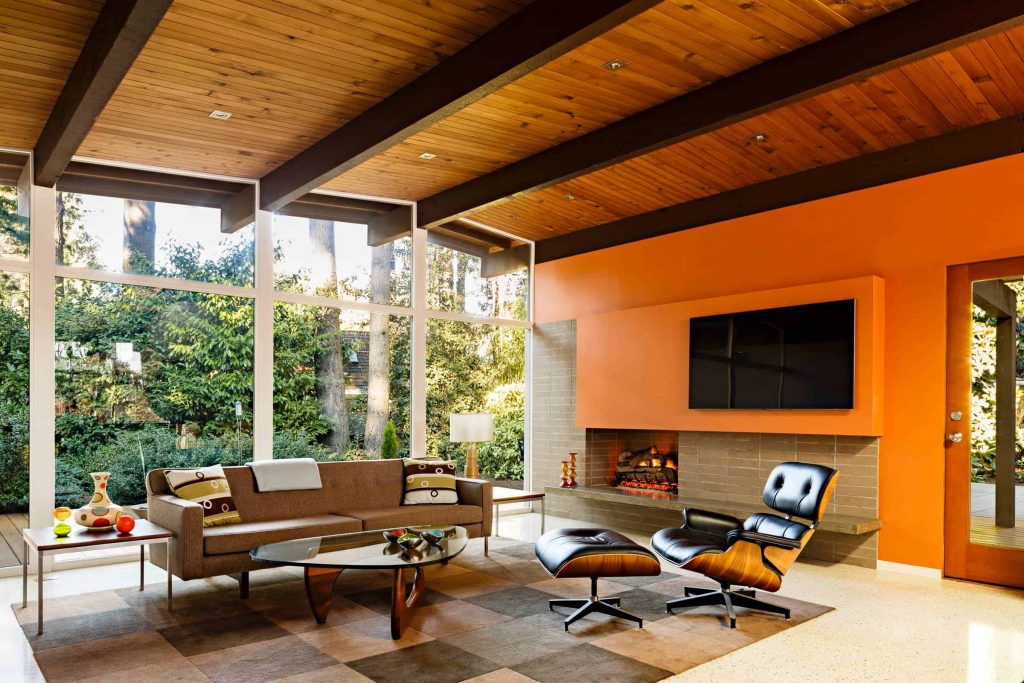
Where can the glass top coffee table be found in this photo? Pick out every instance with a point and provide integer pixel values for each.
(324, 558)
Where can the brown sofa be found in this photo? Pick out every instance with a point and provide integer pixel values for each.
(356, 496)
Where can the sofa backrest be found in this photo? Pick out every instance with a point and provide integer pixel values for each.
(347, 486)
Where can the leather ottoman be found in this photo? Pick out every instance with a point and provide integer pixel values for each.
(594, 553)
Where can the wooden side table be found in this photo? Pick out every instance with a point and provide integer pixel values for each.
(503, 496)
(44, 542)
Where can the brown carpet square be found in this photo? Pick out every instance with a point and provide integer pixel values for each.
(268, 660)
(604, 665)
(521, 601)
(433, 662)
(84, 627)
(513, 642)
(210, 635)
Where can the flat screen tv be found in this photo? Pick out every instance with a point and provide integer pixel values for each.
(797, 357)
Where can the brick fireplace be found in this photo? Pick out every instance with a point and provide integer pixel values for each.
(728, 468)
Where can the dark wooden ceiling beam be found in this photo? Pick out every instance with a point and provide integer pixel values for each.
(505, 261)
(390, 226)
(130, 183)
(11, 166)
(532, 37)
(118, 36)
(995, 298)
(908, 34)
(969, 146)
(470, 231)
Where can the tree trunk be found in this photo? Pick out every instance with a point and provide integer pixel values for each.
(139, 245)
(330, 367)
(61, 241)
(378, 400)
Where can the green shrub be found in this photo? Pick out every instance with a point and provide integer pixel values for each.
(389, 442)
(73, 486)
(298, 444)
(502, 457)
(13, 459)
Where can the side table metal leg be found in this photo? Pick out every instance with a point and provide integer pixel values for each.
(170, 578)
(497, 520)
(142, 568)
(24, 574)
(542, 515)
(39, 582)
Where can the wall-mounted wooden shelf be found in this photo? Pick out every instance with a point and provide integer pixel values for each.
(840, 524)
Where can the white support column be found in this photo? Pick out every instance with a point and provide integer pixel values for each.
(263, 398)
(418, 406)
(42, 441)
(528, 384)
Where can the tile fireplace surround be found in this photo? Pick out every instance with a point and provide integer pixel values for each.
(726, 467)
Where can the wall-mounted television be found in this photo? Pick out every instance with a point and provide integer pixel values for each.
(791, 358)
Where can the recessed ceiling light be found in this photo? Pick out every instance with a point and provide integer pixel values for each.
(615, 64)
(220, 115)
(570, 197)
(759, 137)
(427, 155)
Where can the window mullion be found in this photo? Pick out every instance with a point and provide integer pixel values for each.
(263, 399)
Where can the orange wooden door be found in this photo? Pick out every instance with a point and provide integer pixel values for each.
(977, 555)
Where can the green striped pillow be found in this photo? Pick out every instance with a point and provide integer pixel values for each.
(209, 487)
(430, 482)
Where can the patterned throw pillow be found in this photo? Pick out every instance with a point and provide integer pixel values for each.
(430, 482)
(209, 487)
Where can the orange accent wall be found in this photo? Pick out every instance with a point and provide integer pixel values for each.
(907, 233)
(617, 387)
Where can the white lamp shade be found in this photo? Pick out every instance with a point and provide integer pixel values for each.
(471, 427)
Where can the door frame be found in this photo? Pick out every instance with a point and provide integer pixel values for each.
(963, 559)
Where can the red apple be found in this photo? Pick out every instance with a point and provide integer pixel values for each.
(125, 524)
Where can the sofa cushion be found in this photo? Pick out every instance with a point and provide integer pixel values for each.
(430, 482)
(418, 515)
(243, 537)
(209, 487)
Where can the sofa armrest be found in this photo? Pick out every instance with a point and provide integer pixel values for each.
(480, 493)
(184, 556)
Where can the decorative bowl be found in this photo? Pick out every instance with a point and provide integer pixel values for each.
(395, 534)
(433, 536)
(409, 541)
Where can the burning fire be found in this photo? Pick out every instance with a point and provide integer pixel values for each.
(648, 485)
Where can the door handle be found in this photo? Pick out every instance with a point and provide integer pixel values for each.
(955, 437)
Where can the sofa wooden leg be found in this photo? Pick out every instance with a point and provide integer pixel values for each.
(243, 584)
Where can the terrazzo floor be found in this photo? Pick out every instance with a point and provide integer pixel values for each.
(886, 627)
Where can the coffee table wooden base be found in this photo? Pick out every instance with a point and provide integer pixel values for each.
(404, 599)
(320, 589)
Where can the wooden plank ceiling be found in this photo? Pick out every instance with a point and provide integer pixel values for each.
(978, 82)
(39, 43)
(292, 71)
(674, 48)
(289, 72)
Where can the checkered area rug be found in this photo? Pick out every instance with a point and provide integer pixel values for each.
(482, 618)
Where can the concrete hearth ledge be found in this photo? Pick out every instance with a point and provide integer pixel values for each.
(840, 524)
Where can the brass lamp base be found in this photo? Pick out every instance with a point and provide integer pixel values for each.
(472, 468)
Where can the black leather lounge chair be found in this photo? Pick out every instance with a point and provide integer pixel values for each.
(754, 553)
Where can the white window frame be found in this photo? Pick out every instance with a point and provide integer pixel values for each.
(42, 269)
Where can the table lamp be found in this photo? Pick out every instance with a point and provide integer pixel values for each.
(471, 428)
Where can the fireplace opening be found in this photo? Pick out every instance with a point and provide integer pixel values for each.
(648, 469)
